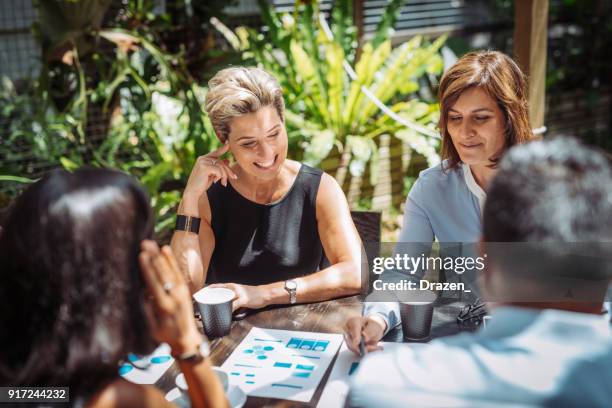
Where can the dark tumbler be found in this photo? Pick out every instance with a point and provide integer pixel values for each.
(215, 306)
(417, 315)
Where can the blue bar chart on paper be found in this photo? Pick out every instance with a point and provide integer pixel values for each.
(280, 363)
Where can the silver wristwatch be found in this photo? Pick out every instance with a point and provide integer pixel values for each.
(291, 287)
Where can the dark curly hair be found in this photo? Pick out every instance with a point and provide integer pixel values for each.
(70, 281)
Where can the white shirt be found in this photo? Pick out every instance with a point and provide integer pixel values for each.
(523, 357)
(474, 188)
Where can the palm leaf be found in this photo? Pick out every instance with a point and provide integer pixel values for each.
(17, 179)
(335, 82)
(355, 90)
(421, 60)
(374, 160)
(318, 147)
(361, 150)
(269, 17)
(387, 82)
(386, 23)
(369, 63)
(307, 29)
(305, 69)
(342, 27)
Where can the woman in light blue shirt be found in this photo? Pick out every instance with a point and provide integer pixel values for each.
(483, 112)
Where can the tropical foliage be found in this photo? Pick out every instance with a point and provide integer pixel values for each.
(110, 96)
(326, 106)
(116, 91)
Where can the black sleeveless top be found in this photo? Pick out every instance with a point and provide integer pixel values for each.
(257, 244)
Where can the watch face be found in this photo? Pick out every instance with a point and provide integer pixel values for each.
(291, 285)
(204, 349)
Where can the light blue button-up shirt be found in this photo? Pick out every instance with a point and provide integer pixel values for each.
(442, 204)
(445, 204)
(524, 356)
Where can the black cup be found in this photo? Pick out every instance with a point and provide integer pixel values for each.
(416, 316)
(215, 306)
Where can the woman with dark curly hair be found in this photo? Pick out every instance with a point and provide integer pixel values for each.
(74, 297)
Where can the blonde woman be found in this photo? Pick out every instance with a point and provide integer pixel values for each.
(261, 225)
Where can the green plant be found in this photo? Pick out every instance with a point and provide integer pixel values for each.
(16, 179)
(117, 69)
(165, 137)
(36, 130)
(327, 108)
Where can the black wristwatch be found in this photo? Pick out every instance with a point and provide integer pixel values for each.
(187, 224)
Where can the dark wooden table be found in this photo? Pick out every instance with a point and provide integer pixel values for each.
(325, 317)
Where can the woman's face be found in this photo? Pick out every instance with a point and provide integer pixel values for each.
(476, 126)
(258, 142)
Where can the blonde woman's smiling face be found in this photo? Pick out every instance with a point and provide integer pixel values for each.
(476, 126)
(258, 142)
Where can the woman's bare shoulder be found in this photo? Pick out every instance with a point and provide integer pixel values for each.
(330, 193)
(121, 393)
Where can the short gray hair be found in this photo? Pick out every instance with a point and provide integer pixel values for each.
(237, 91)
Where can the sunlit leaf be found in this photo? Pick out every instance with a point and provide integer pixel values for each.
(361, 150)
(420, 144)
(409, 87)
(318, 147)
(68, 164)
(374, 162)
(335, 81)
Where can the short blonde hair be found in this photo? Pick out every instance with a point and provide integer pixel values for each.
(237, 91)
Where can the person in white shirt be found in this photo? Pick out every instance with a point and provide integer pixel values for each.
(541, 348)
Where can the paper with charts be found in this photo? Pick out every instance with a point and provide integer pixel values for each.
(147, 369)
(281, 363)
(337, 386)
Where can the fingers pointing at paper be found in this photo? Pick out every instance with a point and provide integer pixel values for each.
(368, 327)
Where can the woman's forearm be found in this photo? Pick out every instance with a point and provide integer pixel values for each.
(186, 246)
(340, 279)
(205, 389)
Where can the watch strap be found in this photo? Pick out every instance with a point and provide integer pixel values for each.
(292, 291)
(187, 224)
(198, 355)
